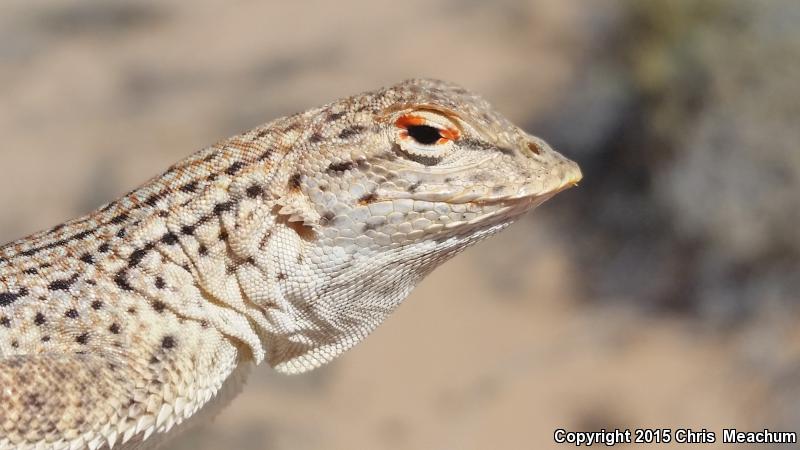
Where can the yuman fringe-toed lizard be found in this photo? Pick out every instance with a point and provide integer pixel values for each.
(288, 243)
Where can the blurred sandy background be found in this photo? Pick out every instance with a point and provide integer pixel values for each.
(663, 292)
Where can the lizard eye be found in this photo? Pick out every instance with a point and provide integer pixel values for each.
(426, 136)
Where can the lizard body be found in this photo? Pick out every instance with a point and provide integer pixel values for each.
(288, 243)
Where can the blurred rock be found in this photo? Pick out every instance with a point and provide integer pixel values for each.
(686, 125)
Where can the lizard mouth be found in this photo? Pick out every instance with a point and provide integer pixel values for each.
(532, 193)
(528, 193)
(501, 210)
(514, 202)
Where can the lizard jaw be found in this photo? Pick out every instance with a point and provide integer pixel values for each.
(570, 176)
(566, 176)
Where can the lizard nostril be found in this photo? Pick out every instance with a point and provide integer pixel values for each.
(533, 147)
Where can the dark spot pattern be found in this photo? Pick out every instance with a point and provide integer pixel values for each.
(223, 207)
(72, 313)
(39, 319)
(339, 167)
(332, 117)
(137, 256)
(234, 168)
(294, 181)
(266, 154)
(168, 342)
(169, 238)
(7, 298)
(62, 285)
(189, 188)
(254, 191)
(366, 199)
(120, 219)
(349, 132)
(154, 199)
(121, 280)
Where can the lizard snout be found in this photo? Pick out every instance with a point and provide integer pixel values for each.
(563, 171)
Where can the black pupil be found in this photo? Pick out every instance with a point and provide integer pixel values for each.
(424, 134)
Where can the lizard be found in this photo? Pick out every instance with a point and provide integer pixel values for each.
(286, 244)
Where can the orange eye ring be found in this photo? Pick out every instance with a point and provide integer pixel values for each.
(424, 131)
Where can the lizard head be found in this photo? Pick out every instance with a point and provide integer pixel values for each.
(427, 160)
(393, 184)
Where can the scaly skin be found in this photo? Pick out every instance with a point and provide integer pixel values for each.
(288, 243)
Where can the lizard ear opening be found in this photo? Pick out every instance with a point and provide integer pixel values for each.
(299, 213)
